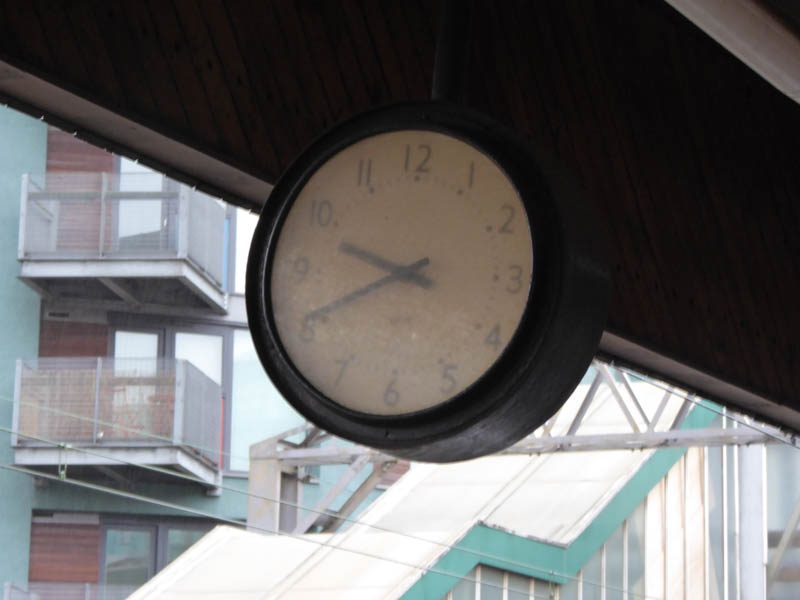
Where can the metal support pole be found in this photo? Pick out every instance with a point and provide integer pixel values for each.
(264, 488)
(752, 536)
(452, 51)
(98, 375)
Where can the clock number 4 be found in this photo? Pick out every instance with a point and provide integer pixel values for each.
(423, 151)
(493, 339)
(321, 213)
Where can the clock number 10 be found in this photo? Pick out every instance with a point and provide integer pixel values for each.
(321, 213)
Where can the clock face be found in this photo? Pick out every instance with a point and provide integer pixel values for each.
(401, 272)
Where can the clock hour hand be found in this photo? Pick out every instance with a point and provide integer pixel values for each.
(382, 263)
(398, 273)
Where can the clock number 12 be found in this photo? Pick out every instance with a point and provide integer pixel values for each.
(423, 150)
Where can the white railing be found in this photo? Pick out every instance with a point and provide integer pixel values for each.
(106, 216)
(117, 402)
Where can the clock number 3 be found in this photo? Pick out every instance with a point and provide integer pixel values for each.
(422, 166)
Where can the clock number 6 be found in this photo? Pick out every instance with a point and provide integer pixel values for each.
(391, 396)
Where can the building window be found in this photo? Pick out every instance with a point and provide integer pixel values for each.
(133, 550)
(489, 583)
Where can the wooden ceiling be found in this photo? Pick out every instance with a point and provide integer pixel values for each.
(691, 157)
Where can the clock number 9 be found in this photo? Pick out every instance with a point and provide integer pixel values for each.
(391, 396)
(321, 213)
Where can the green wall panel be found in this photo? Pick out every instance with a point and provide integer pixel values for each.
(23, 147)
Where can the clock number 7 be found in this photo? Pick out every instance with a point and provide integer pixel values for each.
(342, 362)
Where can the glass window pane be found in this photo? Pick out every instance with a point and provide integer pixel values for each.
(203, 351)
(518, 587)
(614, 566)
(569, 591)
(491, 583)
(135, 177)
(636, 546)
(465, 589)
(178, 540)
(592, 577)
(134, 344)
(245, 225)
(128, 556)
(257, 409)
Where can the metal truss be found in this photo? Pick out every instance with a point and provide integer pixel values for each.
(614, 414)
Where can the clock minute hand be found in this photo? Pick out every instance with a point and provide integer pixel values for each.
(399, 273)
(382, 263)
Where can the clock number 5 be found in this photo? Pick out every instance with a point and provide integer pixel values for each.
(422, 166)
(447, 376)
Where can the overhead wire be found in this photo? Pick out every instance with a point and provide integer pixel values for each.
(331, 514)
(305, 538)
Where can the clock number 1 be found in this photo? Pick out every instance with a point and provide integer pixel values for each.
(364, 172)
(422, 166)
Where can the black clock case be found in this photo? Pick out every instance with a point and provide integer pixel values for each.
(557, 336)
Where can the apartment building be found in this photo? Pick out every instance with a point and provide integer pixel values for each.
(126, 366)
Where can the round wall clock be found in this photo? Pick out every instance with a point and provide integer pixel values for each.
(424, 282)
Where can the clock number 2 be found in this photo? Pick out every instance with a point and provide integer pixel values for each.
(422, 166)
(508, 210)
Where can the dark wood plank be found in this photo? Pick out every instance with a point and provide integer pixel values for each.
(209, 70)
(232, 66)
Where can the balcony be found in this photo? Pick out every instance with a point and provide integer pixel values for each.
(116, 414)
(122, 242)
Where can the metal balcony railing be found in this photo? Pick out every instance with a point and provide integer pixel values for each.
(107, 216)
(117, 402)
(68, 591)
